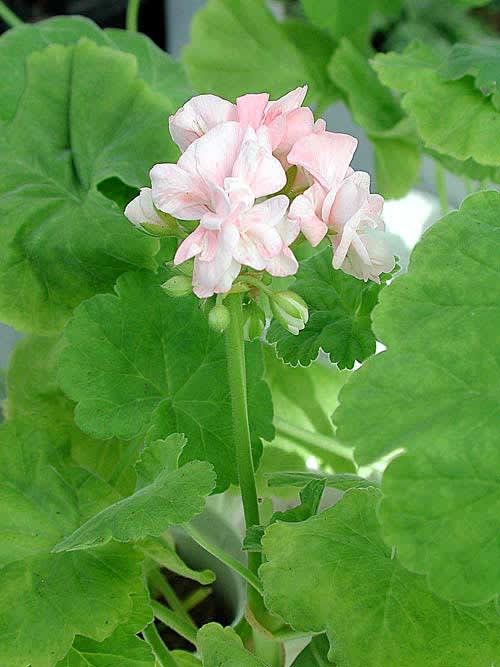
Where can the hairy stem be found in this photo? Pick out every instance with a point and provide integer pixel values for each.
(133, 15)
(224, 557)
(8, 16)
(163, 656)
(235, 350)
(174, 622)
(316, 443)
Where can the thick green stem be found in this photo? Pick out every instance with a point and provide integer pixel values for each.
(441, 188)
(173, 621)
(196, 597)
(161, 652)
(316, 443)
(133, 15)
(8, 16)
(224, 557)
(235, 349)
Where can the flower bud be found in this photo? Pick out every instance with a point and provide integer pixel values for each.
(219, 318)
(290, 310)
(178, 286)
(254, 321)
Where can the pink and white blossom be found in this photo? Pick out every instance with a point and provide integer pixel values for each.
(142, 210)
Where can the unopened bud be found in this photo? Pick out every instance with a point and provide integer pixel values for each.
(178, 286)
(219, 318)
(254, 321)
(290, 310)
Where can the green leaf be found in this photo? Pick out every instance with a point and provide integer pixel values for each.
(339, 316)
(354, 19)
(374, 107)
(162, 551)
(34, 398)
(435, 393)
(165, 495)
(334, 573)
(47, 598)
(482, 61)
(120, 649)
(62, 240)
(185, 659)
(238, 47)
(452, 117)
(221, 647)
(155, 67)
(304, 398)
(315, 654)
(317, 48)
(342, 481)
(140, 351)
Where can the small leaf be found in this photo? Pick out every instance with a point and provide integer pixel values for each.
(239, 47)
(120, 648)
(334, 573)
(46, 598)
(436, 392)
(315, 654)
(221, 647)
(341, 481)
(162, 552)
(164, 497)
(140, 356)
(339, 316)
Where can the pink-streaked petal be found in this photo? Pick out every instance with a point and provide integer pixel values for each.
(270, 211)
(350, 199)
(191, 246)
(177, 192)
(288, 102)
(141, 209)
(258, 244)
(251, 109)
(326, 156)
(341, 244)
(319, 126)
(283, 265)
(375, 205)
(257, 167)
(199, 115)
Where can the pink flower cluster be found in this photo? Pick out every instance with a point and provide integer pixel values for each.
(231, 177)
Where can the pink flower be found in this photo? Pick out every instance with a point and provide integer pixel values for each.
(141, 209)
(283, 121)
(339, 201)
(217, 180)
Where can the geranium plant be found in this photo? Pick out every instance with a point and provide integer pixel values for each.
(196, 277)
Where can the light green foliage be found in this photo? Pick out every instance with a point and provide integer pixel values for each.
(48, 598)
(304, 397)
(353, 20)
(138, 351)
(482, 61)
(238, 47)
(435, 393)
(339, 316)
(221, 647)
(165, 495)
(452, 117)
(34, 397)
(162, 552)
(374, 107)
(334, 573)
(185, 659)
(61, 239)
(315, 654)
(119, 649)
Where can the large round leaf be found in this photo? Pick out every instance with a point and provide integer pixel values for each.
(436, 393)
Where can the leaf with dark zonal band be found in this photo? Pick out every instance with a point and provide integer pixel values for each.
(140, 356)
